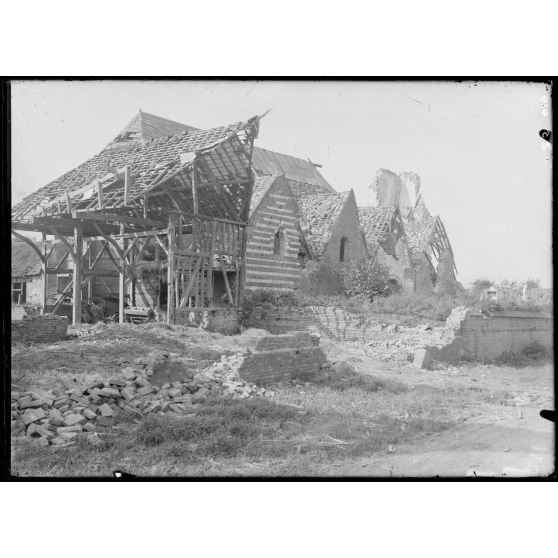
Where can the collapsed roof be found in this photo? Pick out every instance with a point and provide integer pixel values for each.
(426, 234)
(299, 173)
(129, 173)
(318, 215)
(382, 226)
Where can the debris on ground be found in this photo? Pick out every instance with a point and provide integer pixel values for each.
(57, 416)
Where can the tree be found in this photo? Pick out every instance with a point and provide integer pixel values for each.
(480, 285)
(533, 283)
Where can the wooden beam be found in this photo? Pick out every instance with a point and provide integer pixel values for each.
(58, 303)
(114, 218)
(62, 239)
(173, 197)
(121, 277)
(99, 194)
(62, 260)
(191, 281)
(109, 239)
(76, 310)
(45, 275)
(30, 243)
(127, 184)
(69, 203)
(226, 279)
(194, 187)
(170, 270)
(208, 218)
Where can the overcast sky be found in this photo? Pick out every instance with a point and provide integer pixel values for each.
(476, 146)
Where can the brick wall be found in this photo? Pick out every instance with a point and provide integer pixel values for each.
(489, 337)
(40, 329)
(276, 211)
(222, 320)
(282, 357)
(331, 322)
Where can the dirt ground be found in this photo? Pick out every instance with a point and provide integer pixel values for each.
(473, 419)
(509, 439)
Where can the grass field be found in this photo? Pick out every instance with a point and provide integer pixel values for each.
(302, 430)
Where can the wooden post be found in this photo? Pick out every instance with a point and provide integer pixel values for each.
(76, 311)
(91, 279)
(127, 185)
(69, 203)
(158, 291)
(100, 194)
(45, 274)
(194, 188)
(210, 262)
(170, 270)
(241, 277)
(121, 278)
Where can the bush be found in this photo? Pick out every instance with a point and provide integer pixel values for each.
(362, 280)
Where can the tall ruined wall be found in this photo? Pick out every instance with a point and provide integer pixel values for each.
(265, 270)
(401, 268)
(386, 188)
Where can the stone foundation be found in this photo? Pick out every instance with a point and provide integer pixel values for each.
(40, 329)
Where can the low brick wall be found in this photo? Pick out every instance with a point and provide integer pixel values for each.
(222, 320)
(283, 357)
(40, 329)
(487, 337)
(331, 322)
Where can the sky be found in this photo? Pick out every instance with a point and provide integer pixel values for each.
(476, 146)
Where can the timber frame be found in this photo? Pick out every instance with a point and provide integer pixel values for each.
(191, 219)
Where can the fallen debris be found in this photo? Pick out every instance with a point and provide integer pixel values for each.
(57, 416)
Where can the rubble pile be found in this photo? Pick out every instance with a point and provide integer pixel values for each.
(399, 343)
(57, 416)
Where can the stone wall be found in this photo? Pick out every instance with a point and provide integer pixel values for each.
(283, 357)
(40, 329)
(487, 337)
(222, 320)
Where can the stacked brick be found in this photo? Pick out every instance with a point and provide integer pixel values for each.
(56, 417)
(40, 329)
(282, 358)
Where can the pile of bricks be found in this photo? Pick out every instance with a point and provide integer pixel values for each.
(57, 416)
(40, 329)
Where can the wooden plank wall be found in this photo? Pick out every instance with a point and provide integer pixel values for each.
(264, 270)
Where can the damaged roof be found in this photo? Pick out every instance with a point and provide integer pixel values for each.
(25, 261)
(146, 163)
(262, 184)
(145, 126)
(295, 169)
(318, 216)
(376, 223)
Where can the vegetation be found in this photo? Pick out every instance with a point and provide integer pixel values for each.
(361, 280)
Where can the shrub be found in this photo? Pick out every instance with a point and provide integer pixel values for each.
(363, 280)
